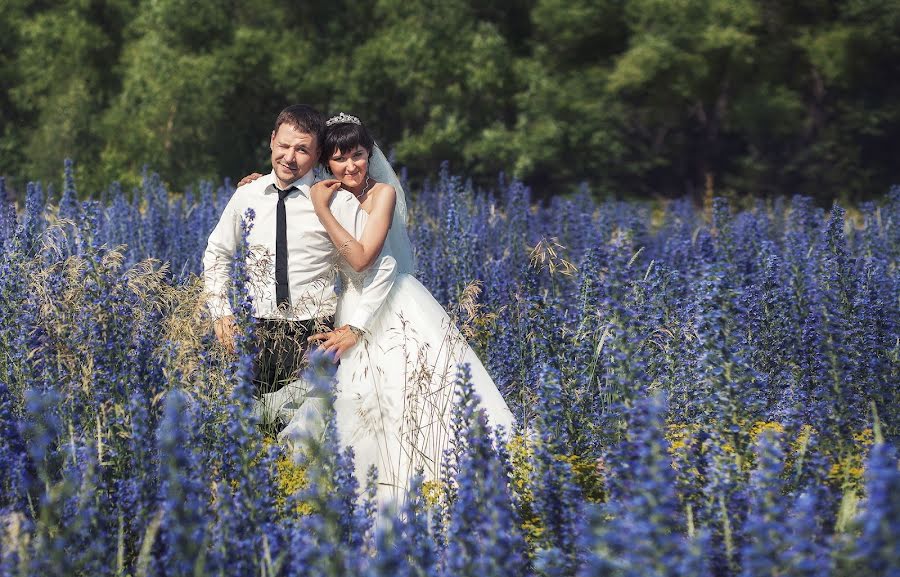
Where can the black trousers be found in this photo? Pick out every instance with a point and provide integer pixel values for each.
(282, 347)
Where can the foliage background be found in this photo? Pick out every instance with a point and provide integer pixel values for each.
(634, 97)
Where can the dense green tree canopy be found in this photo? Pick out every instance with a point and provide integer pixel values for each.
(634, 97)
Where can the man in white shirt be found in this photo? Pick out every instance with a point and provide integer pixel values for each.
(291, 261)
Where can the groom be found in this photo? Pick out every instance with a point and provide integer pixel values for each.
(291, 259)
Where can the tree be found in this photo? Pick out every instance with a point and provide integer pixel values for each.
(65, 61)
(168, 111)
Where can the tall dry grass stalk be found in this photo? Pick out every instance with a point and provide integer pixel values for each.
(76, 290)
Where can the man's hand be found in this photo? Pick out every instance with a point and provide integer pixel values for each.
(338, 341)
(226, 328)
(248, 179)
(321, 193)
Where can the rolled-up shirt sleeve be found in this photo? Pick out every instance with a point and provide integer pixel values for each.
(218, 260)
(381, 274)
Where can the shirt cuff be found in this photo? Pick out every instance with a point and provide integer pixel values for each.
(218, 306)
(361, 319)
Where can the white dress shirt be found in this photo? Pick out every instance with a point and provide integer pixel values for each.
(312, 257)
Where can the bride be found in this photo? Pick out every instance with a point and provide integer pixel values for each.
(395, 387)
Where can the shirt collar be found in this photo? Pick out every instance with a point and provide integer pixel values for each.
(302, 184)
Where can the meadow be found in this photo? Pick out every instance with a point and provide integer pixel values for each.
(701, 391)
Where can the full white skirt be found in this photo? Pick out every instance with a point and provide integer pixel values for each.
(396, 388)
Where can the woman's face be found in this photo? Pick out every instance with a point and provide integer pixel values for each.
(350, 167)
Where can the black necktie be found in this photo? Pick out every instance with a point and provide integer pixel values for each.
(282, 290)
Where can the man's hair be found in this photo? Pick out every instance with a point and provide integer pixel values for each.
(304, 118)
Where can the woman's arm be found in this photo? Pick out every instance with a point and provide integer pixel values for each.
(358, 253)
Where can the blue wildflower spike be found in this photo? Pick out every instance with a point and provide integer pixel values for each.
(14, 464)
(765, 528)
(483, 536)
(876, 551)
(181, 492)
(68, 203)
(405, 546)
(340, 526)
(641, 530)
(557, 500)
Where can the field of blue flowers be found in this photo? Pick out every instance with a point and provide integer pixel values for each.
(702, 391)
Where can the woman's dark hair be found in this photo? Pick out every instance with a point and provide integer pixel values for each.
(345, 137)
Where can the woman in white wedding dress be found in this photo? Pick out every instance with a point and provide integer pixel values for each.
(396, 387)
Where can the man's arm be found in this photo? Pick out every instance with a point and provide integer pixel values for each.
(217, 262)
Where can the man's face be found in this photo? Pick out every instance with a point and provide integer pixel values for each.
(294, 153)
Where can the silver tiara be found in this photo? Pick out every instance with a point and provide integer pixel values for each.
(342, 119)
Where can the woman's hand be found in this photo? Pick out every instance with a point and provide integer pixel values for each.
(321, 193)
(248, 179)
(338, 341)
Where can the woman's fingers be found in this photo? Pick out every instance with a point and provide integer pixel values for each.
(335, 342)
(325, 340)
(325, 189)
(327, 183)
(337, 348)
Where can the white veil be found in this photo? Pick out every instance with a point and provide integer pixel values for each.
(397, 238)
